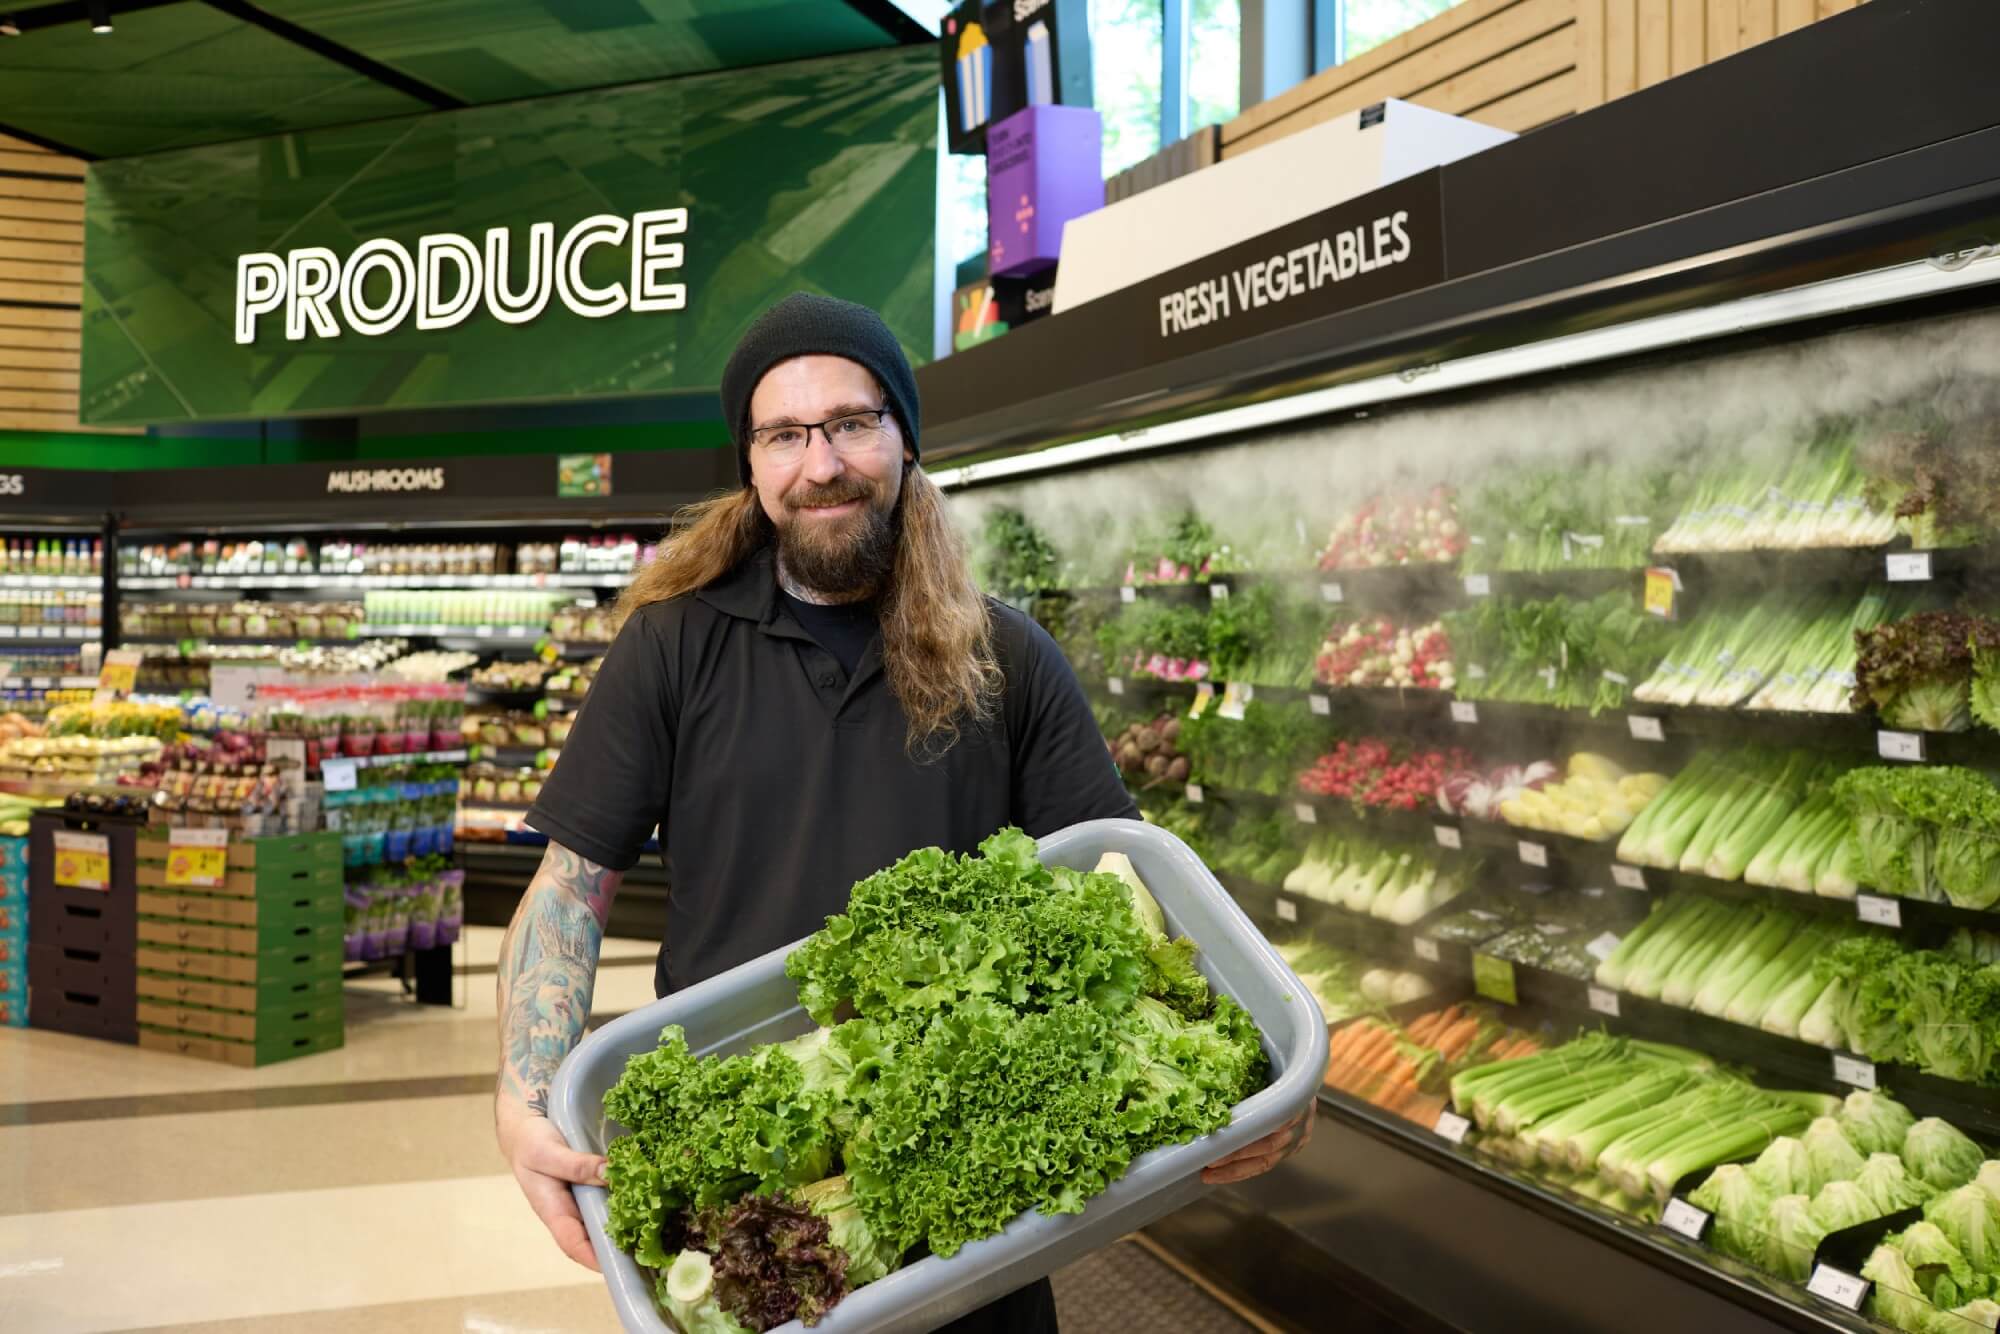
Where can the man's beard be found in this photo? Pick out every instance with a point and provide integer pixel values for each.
(841, 559)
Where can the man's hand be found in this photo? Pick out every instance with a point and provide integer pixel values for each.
(1253, 1160)
(545, 1166)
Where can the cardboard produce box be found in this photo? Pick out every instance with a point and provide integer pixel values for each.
(282, 1045)
(274, 939)
(292, 909)
(274, 969)
(263, 995)
(240, 1027)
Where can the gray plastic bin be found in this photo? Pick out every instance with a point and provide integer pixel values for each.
(756, 1003)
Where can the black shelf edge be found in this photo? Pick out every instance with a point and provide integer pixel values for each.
(1784, 1304)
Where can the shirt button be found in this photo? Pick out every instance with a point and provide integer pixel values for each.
(826, 681)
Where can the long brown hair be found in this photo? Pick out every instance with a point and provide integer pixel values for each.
(937, 631)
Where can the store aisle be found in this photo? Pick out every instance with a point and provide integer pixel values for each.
(150, 1191)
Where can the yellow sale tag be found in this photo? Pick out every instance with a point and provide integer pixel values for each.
(1661, 586)
(197, 858)
(83, 861)
(1203, 695)
(119, 675)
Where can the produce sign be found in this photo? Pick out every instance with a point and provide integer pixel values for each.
(401, 262)
(83, 861)
(765, 1186)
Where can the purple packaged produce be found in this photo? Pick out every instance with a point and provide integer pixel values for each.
(356, 920)
(396, 908)
(424, 915)
(452, 915)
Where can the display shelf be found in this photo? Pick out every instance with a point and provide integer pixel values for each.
(423, 630)
(52, 582)
(361, 582)
(1782, 1304)
(407, 757)
(1579, 863)
(513, 757)
(63, 634)
(202, 642)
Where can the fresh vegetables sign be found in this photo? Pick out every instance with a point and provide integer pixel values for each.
(1381, 245)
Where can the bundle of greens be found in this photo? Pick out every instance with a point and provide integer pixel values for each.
(1933, 1009)
(1281, 653)
(1927, 832)
(1638, 1116)
(764, 1186)
(1724, 813)
(1780, 653)
(1810, 495)
(1397, 884)
(1333, 976)
(1917, 672)
(1562, 652)
(1015, 560)
(1155, 638)
(1744, 962)
(1937, 475)
(1258, 849)
(1583, 514)
(1259, 752)
(1183, 551)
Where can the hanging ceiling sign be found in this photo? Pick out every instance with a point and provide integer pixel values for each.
(609, 243)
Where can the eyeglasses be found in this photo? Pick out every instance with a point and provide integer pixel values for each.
(850, 433)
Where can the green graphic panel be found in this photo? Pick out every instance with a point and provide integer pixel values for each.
(174, 76)
(491, 50)
(817, 175)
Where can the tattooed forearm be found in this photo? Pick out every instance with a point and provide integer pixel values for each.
(548, 965)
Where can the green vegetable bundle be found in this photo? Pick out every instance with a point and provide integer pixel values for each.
(1917, 672)
(1757, 814)
(1567, 653)
(1015, 559)
(1927, 831)
(1817, 497)
(1933, 1009)
(766, 1185)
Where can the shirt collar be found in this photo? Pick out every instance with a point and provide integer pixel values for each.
(750, 591)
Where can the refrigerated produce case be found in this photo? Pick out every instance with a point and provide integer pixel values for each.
(1593, 692)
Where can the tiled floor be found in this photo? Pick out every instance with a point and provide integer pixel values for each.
(357, 1190)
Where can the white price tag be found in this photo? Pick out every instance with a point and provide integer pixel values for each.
(1194, 793)
(1853, 1070)
(1907, 746)
(180, 837)
(1427, 949)
(1127, 593)
(1682, 1217)
(1603, 1001)
(1877, 911)
(1320, 705)
(1332, 593)
(1287, 910)
(1115, 684)
(1533, 854)
(1645, 729)
(338, 775)
(483, 631)
(1218, 592)
(1447, 836)
(1304, 813)
(1627, 877)
(1464, 711)
(1452, 1126)
(518, 631)
(1478, 585)
(1838, 1286)
(1909, 567)
(1602, 947)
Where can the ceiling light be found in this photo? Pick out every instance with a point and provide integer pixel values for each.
(9, 28)
(100, 16)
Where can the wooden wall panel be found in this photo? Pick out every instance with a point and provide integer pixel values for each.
(41, 287)
(1524, 67)
(1655, 42)
(1621, 48)
(1688, 36)
(1756, 21)
(1505, 33)
(1532, 108)
(1795, 14)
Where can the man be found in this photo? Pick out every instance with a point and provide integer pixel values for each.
(806, 687)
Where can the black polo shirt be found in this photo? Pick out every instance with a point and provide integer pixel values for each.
(777, 780)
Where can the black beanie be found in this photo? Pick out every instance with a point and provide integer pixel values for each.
(804, 324)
